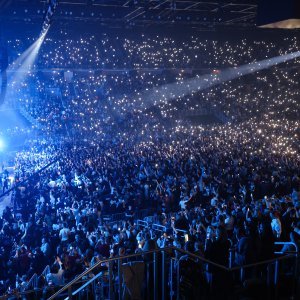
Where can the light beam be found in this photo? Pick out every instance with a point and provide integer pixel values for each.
(20, 68)
(175, 90)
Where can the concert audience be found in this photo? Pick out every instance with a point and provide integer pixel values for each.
(213, 188)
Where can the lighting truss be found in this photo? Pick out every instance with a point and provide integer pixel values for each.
(49, 15)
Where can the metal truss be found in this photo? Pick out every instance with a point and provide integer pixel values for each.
(140, 12)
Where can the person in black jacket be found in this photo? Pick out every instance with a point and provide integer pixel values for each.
(266, 241)
(245, 253)
(217, 251)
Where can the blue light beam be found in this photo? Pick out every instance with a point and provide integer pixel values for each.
(176, 90)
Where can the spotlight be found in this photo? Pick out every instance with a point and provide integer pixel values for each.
(2, 144)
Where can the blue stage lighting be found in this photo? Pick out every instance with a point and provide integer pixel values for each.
(2, 144)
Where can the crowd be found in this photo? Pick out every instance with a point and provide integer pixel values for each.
(127, 51)
(211, 188)
(89, 94)
(200, 182)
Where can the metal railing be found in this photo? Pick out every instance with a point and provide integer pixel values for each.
(32, 283)
(158, 227)
(142, 223)
(114, 218)
(283, 244)
(165, 272)
(119, 261)
(168, 275)
(46, 271)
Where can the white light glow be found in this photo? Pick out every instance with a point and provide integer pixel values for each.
(175, 90)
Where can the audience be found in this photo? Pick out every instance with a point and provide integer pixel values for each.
(214, 188)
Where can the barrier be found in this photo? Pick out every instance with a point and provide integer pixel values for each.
(46, 271)
(165, 275)
(171, 273)
(295, 246)
(32, 283)
(159, 228)
(142, 223)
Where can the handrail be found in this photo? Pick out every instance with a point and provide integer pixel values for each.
(32, 281)
(120, 217)
(196, 256)
(114, 217)
(75, 280)
(86, 284)
(286, 244)
(46, 271)
(203, 260)
(158, 227)
(234, 268)
(142, 223)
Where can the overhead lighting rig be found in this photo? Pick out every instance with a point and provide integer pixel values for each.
(49, 15)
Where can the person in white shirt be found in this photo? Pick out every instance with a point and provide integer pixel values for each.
(45, 248)
(56, 276)
(182, 203)
(64, 233)
(276, 224)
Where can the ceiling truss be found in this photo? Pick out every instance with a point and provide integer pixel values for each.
(138, 12)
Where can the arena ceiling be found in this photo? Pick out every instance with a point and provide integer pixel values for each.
(117, 13)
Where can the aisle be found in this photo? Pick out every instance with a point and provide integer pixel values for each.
(6, 200)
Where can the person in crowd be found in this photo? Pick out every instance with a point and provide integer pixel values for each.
(56, 275)
(245, 249)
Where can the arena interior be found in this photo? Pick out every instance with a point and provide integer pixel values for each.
(149, 149)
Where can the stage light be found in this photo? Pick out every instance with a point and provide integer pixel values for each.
(25, 56)
(2, 144)
(19, 69)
